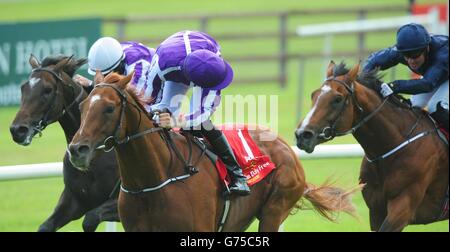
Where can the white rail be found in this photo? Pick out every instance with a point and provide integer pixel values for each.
(44, 170)
(430, 20)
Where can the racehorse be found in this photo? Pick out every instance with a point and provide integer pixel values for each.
(50, 95)
(160, 193)
(405, 167)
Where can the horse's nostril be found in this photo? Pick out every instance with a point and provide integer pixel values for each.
(83, 149)
(19, 130)
(307, 135)
(78, 150)
(22, 130)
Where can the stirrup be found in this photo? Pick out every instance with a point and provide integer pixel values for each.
(240, 192)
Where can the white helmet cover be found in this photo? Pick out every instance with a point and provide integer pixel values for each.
(105, 54)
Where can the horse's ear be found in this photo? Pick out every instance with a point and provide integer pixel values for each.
(124, 81)
(80, 62)
(98, 77)
(34, 62)
(353, 73)
(62, 63)
(330, 69)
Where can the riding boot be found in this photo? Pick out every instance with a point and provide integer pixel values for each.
(223, 150)
(441, 115)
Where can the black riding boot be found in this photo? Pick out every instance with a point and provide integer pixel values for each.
(223, 150)
(441, 115)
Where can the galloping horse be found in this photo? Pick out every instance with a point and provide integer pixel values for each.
(406, 164)
(51, 95)
(159, 194)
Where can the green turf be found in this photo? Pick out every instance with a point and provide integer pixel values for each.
(25, 204)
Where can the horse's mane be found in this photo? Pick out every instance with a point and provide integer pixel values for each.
(138, 97)
(70, 68)
(370, 79)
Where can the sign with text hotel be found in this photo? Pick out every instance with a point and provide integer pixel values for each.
(19, 40)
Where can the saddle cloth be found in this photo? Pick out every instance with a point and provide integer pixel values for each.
(254, 164)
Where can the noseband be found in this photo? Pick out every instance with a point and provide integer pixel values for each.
(329, 132)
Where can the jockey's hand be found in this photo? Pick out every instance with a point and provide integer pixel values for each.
(386, 89)
(82, 80)
(166, 121)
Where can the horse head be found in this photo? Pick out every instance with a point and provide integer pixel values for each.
(333, 109)
(102, 118)
(43, 96)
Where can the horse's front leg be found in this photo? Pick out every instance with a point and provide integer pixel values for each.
(401, 210)
(67, 209)
(106, 212)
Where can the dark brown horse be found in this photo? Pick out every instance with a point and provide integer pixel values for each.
(50, 95)
(406, 164)
(158, 194)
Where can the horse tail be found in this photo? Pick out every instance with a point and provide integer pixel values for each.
(329, 200)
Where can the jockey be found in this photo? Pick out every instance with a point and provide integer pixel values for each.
(192, 59)
(108, 55)
(424, 55)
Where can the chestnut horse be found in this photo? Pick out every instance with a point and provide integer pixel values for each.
(50, 95)
(406, 164)
(159, 194)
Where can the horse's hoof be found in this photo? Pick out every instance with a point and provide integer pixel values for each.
(45, 228)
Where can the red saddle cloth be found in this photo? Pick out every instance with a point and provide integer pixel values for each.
(444, 131)
(254, 164)
(439, 125)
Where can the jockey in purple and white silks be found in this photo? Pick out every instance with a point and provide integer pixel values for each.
(192, 59)
(108, 55)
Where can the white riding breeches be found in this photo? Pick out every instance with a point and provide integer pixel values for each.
(431, 99)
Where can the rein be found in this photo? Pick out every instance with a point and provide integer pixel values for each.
(329, 132)
(115, 136)
(190, 168)
(44, 122)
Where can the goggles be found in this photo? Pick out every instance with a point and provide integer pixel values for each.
(413, 54)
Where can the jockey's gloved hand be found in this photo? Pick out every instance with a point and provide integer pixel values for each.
(387, 89)
(164, 118)
(155, 117)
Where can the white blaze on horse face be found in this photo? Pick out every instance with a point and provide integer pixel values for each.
(93, 100)
(325, 89)
(33, 81)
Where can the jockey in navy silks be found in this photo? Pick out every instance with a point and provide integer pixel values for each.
(192, 59)
(426, 55)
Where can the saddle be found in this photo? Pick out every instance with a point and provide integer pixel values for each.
(255, 166)
(442, 132)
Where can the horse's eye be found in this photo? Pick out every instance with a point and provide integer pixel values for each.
(109, 109)
(338, 99)
(47, 90)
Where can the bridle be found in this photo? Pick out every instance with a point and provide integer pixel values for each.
(329, 132)
(189, 167)
(45, 121)
(115, 137)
